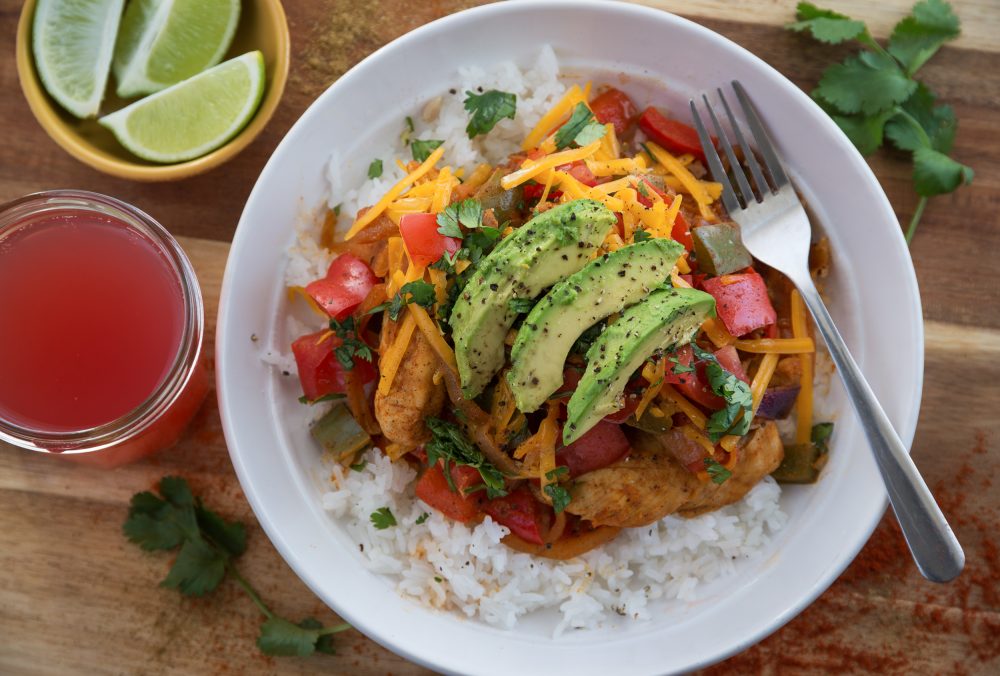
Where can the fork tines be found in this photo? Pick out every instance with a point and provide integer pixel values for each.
(746, 195)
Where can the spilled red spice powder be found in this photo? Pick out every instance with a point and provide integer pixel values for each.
(882, 617)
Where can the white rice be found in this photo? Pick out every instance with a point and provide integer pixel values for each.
(451, 566)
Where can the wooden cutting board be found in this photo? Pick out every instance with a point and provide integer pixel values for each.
(76, 598)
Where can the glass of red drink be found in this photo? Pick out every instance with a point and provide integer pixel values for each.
(101, 329)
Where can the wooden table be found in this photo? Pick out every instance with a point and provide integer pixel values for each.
(75, 597)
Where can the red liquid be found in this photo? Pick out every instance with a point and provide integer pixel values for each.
(91, 319)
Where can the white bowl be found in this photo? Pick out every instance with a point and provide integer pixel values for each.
(874, 298)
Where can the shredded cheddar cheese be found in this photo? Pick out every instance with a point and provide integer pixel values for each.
(693, 186)
(717, 333)
(684, 406)
(804, 402)
(300, 291)
(393, 355)
(530, 168)
(777, 345)
(395, 191)
(555, 115)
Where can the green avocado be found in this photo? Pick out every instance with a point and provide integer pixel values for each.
(666, 318)
(603, 287)
(549, 247)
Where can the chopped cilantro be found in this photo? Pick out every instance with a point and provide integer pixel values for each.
(417, 291)
(423, 517)
(820, 436)
(407, 131)
(359, 466)
(326, 397)
(736, 416)
(679, 368)
(487, 109)
(422, 148)
(351, 347)
(641, 235)
(375, 168)
(716, 471)
(449, 443)
(382, 518)
(581, 128)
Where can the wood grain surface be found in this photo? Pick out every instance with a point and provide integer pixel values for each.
(75, 597)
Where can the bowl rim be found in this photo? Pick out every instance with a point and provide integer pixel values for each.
(45, 110)
(910, 412)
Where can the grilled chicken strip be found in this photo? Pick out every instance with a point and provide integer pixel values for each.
(414, 396)
(650, 483)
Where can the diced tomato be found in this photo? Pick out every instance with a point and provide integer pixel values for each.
(729, 359)
(423, 241)
(533, 191)
(681, 232)
(675, 136)
(614, 107)
(581, 172)
(620, 225)
(741, 301)
(433, 488)
(346, 284)
(571, 378)
(695, 386)
(631, 403)
(319, 370)
(465, 477)
(684, 356)
(522, 513)
(689, 453)
(600, 446)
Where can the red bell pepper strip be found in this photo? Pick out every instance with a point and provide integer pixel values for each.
(675, 136)
(519, 511)
(614, 107)
(741, 301)
(319, 370)
(433, 488)
(599, 447)
(423, 241)
(347, 283)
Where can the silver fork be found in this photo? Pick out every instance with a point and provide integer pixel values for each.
(776, 231)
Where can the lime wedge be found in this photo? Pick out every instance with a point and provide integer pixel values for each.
(73, 41)
(165, 41)
(192, 117)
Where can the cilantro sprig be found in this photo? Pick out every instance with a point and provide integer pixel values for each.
(736, 416)
(873, 95)
(558, 494)
(487, 109)
(449, 444)
(582, 128)
(417, 291)
(716, 472)
(208, 545)
(422, 148)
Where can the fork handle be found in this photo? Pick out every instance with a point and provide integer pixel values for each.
(932, 543)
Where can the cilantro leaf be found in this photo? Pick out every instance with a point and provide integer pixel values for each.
(230, 535)
(826, 25)
(470, 213)
(926, 123)
(736, 416)
(155, 524)
(281, 638)
(641, 235)
(487, 109)
(449, 443)
(447, 222)
(375, 168)
(865, 132)
(407, 132)
(359, 466)
(581, 128)
(820, 435)
(332, 396)
(520, 305)
(423, 517)
(680, 368)
(560, 497)
(198, 569)
(868, 83)
(417, 291)
(935, 173)
(176, 491)
(716, 471)
(917, 37)
(382, 518)
(324, 644)
(422, 148)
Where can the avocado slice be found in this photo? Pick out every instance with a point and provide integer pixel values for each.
(603, 287)
(666, 318)
(549, 247)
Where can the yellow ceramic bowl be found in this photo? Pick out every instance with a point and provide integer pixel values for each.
(262, 26)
